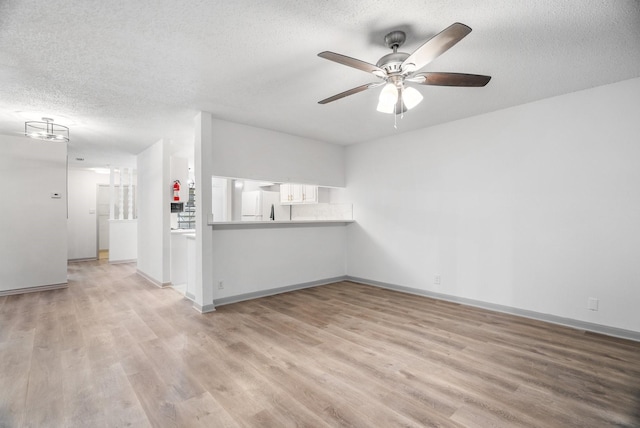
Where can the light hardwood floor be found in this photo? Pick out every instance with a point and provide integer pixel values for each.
(114, 350)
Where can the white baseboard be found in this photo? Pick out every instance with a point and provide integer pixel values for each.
(553, 319)
(115, 262)
(153, 281)
(272, 291)
(33, 289)
(204, 309)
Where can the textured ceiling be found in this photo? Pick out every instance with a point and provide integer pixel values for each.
(127, 73)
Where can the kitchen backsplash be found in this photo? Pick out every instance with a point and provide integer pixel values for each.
(322, 212)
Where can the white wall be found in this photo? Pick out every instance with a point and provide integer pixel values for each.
(123, 239)
(257, 260)
(33, 226)
(154, 192)
(179, 261)
(203, 160)
(82, 222)
(535, 207)
(296, 256)
(243, 151)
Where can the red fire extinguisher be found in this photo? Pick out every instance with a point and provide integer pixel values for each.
(176, 190)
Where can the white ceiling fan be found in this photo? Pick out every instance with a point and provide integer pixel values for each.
(399, 70)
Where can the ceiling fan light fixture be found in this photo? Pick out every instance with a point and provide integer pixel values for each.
(399, 68)
(389, 94)
(386, 108)
(411, 97)
(388, 98)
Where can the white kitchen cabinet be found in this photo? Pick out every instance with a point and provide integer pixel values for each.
(285, 194)
(291, 194)
(309, 194)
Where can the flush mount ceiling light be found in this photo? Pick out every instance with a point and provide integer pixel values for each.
(398, 69)
(46, 130)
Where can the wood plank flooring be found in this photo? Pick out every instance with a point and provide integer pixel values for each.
(113, 350)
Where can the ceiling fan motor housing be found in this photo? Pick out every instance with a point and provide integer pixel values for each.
(395, 39)
(391, 63)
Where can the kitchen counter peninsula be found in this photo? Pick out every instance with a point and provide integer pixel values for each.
(250, 259)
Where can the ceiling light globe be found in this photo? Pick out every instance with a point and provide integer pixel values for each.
(386, 107)
(388, 98)
(389, 94)
(411, 97)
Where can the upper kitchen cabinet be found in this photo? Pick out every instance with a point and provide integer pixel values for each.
(291, 194)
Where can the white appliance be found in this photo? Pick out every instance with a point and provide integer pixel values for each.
(256, 206)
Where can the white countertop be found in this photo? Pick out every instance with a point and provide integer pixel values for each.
(182, 231)
(281, 223)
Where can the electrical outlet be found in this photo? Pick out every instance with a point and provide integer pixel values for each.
(220, 285)
(436, 279)
(592, 304)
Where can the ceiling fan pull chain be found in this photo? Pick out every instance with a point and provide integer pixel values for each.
(395, 117)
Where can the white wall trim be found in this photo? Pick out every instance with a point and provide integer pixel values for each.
(83, 259)
(34, 289)
(273, 291)
(117, 262)
(153, 281)
(553, 319)
(204, 309)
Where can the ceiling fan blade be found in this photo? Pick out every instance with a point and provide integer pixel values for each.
(450, 79)
(352, 62)
(435, 46)
(349, 92)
